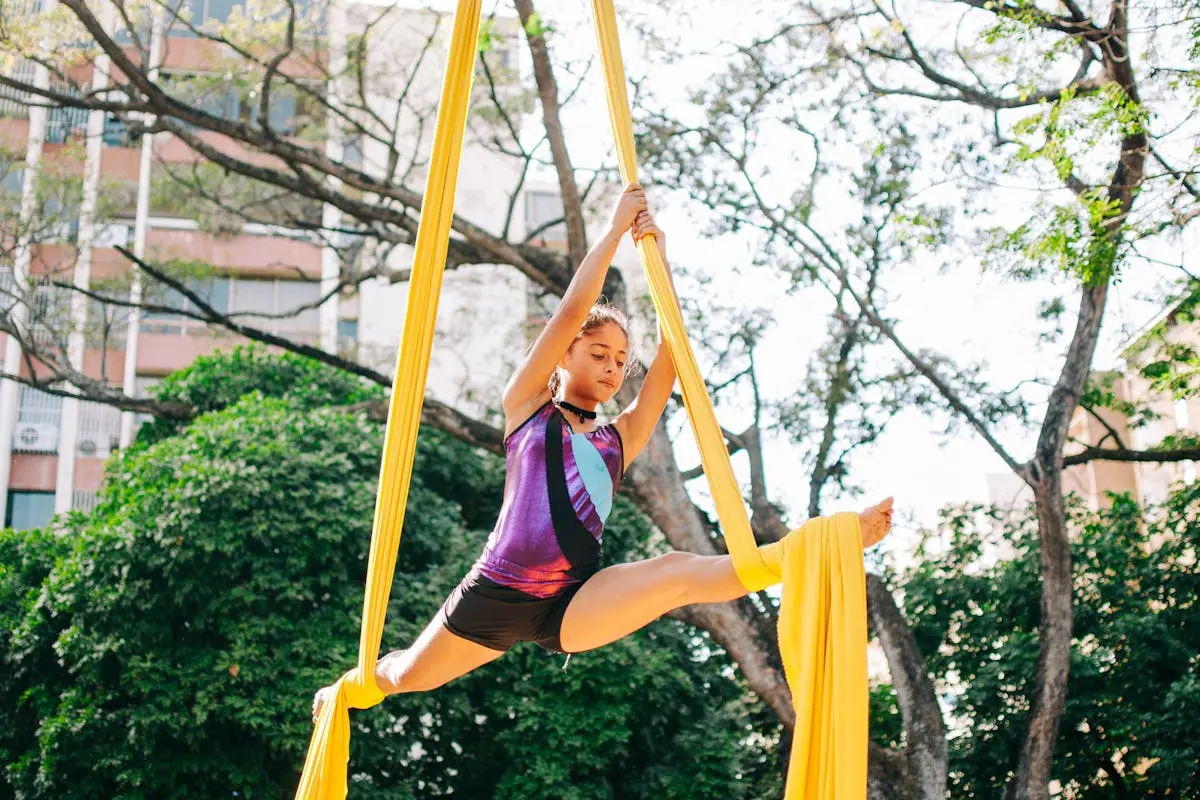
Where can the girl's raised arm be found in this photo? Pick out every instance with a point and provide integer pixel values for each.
(636, 423)
(527, 388)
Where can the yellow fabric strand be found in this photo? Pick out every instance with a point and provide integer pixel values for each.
(751, 570)
(823, 642)
(324, 776)
(822, 625)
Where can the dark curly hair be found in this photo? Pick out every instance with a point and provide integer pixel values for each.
(600, 315)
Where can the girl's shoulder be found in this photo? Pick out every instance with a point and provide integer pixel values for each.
(531, 412)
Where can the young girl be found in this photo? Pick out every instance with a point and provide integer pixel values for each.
(539, 577)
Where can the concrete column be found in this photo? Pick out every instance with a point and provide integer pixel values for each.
(68, 437)
(142, 214)
(19, 314)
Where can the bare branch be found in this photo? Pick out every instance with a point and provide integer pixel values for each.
(1164, 456)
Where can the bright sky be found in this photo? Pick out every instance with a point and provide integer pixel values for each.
(962, 313)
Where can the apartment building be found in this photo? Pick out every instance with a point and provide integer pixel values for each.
(53, 449)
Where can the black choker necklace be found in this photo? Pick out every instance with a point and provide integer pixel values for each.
(583, 415)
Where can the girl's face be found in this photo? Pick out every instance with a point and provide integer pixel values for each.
(595, 364)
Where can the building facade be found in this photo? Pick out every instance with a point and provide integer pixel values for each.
(53, 448)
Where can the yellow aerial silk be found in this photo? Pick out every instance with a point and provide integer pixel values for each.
(324, 776)
(823, 618)
(822, 621)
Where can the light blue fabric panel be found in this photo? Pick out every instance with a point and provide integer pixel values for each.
(593, 470)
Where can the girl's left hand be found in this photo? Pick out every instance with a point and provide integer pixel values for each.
(644, 225)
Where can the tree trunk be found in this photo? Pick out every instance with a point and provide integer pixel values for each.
(657, 485)
(1032, 778)
(1054, 658)
(926, 756)
(887, 777)
(547, 86)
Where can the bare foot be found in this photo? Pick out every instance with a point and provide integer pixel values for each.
(875, 522)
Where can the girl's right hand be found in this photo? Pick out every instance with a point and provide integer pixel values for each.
(629, 205)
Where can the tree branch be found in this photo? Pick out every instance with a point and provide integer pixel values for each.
(547, 86)
(1164, 456)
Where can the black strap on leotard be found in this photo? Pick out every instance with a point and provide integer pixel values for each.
(576, 541)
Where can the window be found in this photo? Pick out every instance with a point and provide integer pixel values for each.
(543, 207)
(13, 179)
(292, 295)
(214, 291)
(39, 415)
(99, 430)
(36, 407)
(29, 510)
(217, 10)
(83, 501)
(268, 297)
(352, 154)
(199, 13)
(203, 12)
(497, 49)
(50, 312)
(254, 297)
(347, 338)
(118, 134)
(209, 93)
(291, 107)
(8, 295)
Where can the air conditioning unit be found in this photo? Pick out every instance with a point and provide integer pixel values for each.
(88, 446)
(35, 437)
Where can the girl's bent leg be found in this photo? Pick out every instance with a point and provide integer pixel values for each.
(435, 658)
(619, 600)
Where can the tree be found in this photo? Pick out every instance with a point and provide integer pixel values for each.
(1133, 661)
(168, 643)
(1058, 96)
(270, 175)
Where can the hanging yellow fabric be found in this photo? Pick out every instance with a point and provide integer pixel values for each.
(822, 625)
(324, 776)
(823, 642)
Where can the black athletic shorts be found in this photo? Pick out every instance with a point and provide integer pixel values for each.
(497, 616)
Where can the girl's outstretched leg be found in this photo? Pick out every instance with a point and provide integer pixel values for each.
(619, 600)
(435, 658)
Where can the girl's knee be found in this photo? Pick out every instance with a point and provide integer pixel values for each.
(402, 674)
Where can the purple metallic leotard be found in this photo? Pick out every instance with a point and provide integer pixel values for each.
(557, 494)
(547, 537)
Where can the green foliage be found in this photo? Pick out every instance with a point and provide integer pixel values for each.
(1170, 365)
(167, 645)
(217, 381)
(1136, 656)
(536, 26)
(1078, 238)
(886, 726)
